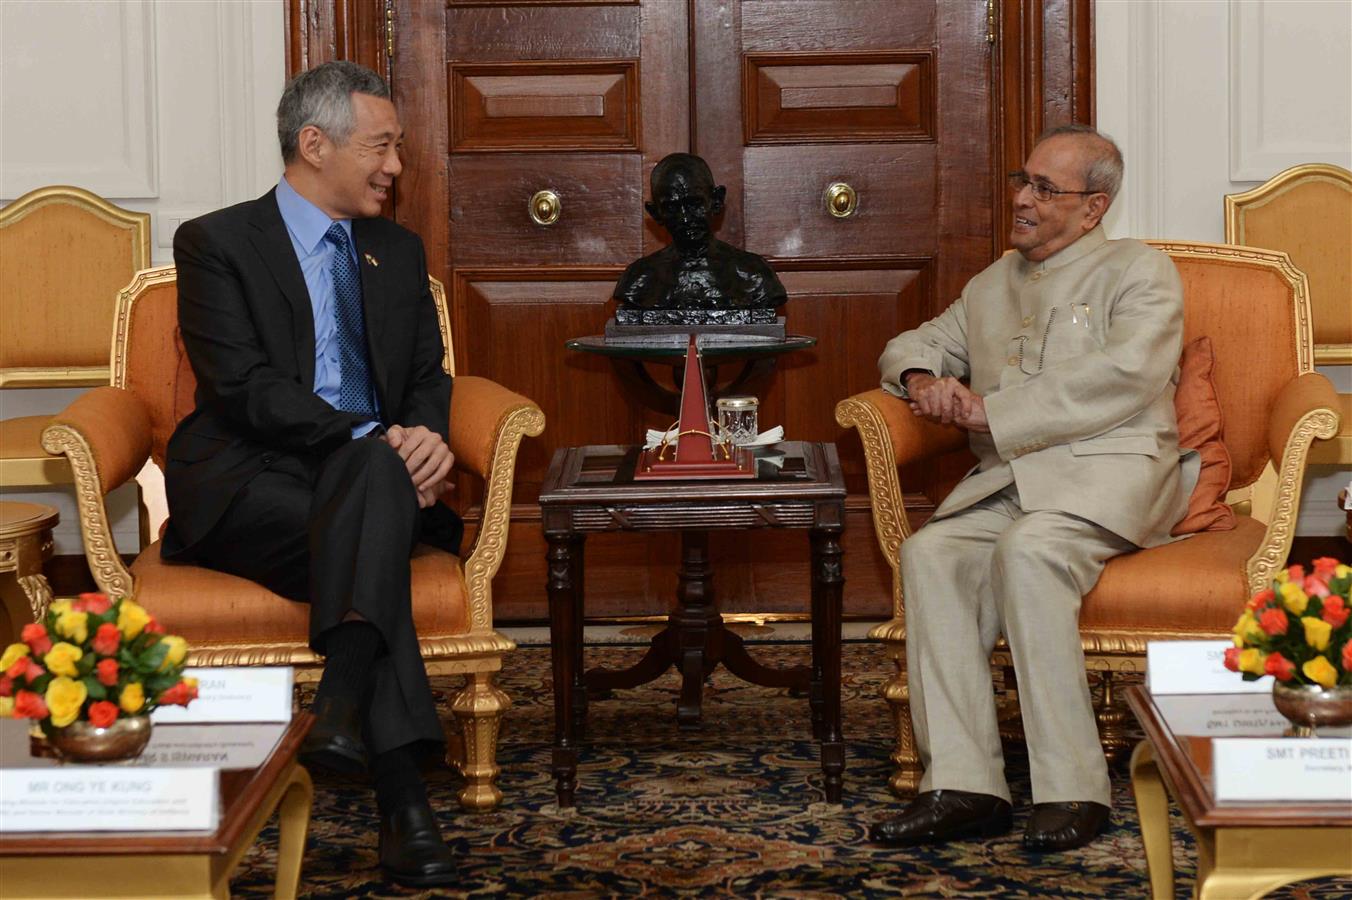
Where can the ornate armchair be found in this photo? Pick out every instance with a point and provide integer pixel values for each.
(1306, 211)
(64, 253)
(1254, 305)
(108, 433)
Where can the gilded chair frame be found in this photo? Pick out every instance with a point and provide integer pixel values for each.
(476, 654)
(1273, 499)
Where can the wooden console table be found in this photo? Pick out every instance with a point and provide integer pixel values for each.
(591, 489)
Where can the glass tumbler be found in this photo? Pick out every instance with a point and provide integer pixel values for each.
(737, 418)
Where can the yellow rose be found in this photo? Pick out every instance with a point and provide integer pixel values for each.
(64, 698)
(1252, 660)
(1317, 632)
(1320, 671)
(61, 659)
(1248, 630)
(1342, 571)
(60, 607)
(178, 648)
(74, 625)
(13, 653)
(1293, 598)
(133, 698)
(131, 619)
(6, 707)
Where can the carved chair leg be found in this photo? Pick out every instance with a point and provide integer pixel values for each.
(905, 780)
(1112, 721)
(479, 708)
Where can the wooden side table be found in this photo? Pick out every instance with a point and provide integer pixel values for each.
(1243, 849)
(25, 544)
(591, 489)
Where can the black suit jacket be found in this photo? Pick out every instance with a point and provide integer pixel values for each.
(247, 325)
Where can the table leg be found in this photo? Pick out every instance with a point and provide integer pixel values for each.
(565, 633)
(293, 822)
(1152, 807)
(696, 618)
(828, 583)
(576, 571)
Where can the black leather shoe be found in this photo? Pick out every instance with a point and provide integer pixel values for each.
(1064, 826)
(411, 849)
(936, 817)
(334, 742)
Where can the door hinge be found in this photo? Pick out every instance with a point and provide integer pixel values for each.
(990, 21)
(389, 29)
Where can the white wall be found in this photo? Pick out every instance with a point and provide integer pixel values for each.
(161, 106)
(1213, 97)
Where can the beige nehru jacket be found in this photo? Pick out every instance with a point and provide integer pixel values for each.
(1076, 358)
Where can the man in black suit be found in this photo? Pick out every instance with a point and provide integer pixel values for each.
(317, 451)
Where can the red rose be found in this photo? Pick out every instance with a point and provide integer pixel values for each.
(96, 604)
(1347, 657)
(1335, 611)
(23, 668)
(1273, 621)
(35, 636)
(1296, 573)
(154, 627)
(102, 714)
(1315, 586)
(179, 695)
(32, 670)
(1324, 566)
(106, 672)
(6, 686)
(1260, 599)
(1232, 658)
(1279, 666)
(107, 639)
(28, 705)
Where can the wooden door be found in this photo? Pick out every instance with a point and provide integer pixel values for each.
(502, 100)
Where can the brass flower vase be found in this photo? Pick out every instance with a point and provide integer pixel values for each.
(81, 742)
(1309, 706)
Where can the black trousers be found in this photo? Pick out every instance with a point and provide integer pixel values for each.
(338, 534)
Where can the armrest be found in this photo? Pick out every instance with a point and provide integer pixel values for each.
(110, 427)
(1306, 409)
(487, 425)
(105, 434)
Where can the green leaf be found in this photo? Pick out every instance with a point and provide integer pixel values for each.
(151, 659)
(86, 663)
(95, 689)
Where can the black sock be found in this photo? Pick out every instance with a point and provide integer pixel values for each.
(397, 779)
(350, 651)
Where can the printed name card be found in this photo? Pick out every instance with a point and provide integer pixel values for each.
(108, 798)
(244, 694)
(1258, 769)
(1196, 667)
(1217, 715)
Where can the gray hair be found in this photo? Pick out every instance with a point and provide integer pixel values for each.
(322, 97)
(1103, 168)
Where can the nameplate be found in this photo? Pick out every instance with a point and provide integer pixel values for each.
(1216, 715)
(242, 746)
(1196, 667)
(234, 694)
(108, 798)
(1316, 770)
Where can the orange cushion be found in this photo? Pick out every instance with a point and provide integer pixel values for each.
(209, 607)
(1195, 586)
(1201, 427)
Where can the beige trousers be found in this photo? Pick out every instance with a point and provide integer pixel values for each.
(994, 569)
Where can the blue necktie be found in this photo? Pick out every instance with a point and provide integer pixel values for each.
(354, 390)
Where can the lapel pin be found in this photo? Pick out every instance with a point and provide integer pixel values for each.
(371, 259)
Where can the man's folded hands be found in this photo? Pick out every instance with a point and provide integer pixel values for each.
(946, 401)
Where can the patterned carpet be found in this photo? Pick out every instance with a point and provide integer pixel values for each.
(735, 811)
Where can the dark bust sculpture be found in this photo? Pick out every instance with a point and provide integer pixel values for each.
(697, 279)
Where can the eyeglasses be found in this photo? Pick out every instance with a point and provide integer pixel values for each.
(1041, 190)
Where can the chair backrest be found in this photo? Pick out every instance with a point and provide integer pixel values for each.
(1255, 306)
(150, 361)
(64, 252)
(1306, 211)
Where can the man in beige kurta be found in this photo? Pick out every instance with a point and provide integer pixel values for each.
(1060, 360)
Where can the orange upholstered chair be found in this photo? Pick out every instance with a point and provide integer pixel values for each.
(64, 253)
(1254, 306)
(108, 433)
(1306, 212)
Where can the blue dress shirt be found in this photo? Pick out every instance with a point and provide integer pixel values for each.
(306, 225)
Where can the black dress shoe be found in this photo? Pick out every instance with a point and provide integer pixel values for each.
(1064, 826)
(411, 849)
(334, 742)
(936, 817)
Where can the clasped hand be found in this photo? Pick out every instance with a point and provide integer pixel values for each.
(946, 401)
(427, 457)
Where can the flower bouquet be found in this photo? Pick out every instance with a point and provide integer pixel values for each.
(93, 668)
(1300, 632)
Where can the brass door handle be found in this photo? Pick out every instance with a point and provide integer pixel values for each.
(545, 207)
(841, 200)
